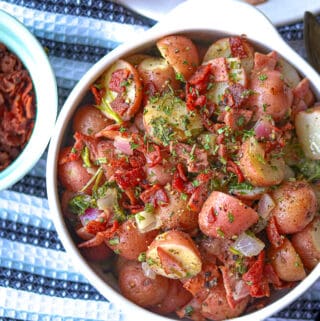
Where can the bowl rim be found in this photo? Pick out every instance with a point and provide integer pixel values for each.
(170, 25)
(19, 40)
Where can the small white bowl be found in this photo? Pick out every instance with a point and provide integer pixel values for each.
(20, 41)
(207, 19)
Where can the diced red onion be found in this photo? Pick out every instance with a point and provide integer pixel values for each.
(148, 272)
(123, 144)
(265, 206)
(241, 290)
(90, 214)
(248, 245)
(263, 128)
(107, 202)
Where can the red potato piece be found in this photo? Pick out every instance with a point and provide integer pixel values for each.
(177, 215)
(216, 307)
(72, 174)
(129, 242)
(120, 91)
(89, 120)
(286, 262)
(158, 74)
(272, 95)
(307, 125)
(176, 297)
(96, 253)
(222, 48)
(138, 288)
(224, 216)
(307, 244)
(181, 54)
(295, 206)
(256, 169)
(178, 256)
(136, 59)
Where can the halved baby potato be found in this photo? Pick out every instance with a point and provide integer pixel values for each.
(181, 53)
(225, 216)
(307, 124)
(174, 255)
(222, 48)
(256, 168)
(234, 74)
(307, 244)
(286, 262)
(289, 73)
(295, 206)
(120, 89)
(156, 72)
(167, 119)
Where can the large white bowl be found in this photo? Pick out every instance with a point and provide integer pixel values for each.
(196, 18)
(19, 40)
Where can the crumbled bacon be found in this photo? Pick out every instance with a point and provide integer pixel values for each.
(17, 107)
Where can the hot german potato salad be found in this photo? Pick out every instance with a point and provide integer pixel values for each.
(195, 169)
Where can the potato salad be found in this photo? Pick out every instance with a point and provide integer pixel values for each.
(194, 168)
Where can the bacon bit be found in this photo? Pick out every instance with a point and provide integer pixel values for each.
(154, 157)
(97, 95)
(155, 195)
(181, 172)
(255, 278)
(118, 78)
(236, 96)
(17, 107)
(237, 47)
(130, 178)
(137, 159)
(273, 234)
(198, 197)
(100, 237)
(178, 183)
(200, 284)
(169, 263)
(119, 105)
(272, 276)
(93, 227)
(234, 168)
(219, 69)
(229, 282)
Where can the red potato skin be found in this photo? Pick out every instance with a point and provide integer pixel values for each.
(176, 297)
(296, 205)
(138, 288)
(216, 306)
(89, 120)
(273, 96)
(181, 54)
(286, 262)
(224, 216)
(307, 244)
(97, 253)
(73, 176)
(159, 78)
(130, 241)
(176, 214)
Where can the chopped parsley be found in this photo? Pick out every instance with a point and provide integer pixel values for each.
(263, 77)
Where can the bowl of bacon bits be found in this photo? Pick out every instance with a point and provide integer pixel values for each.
(183, 176)
(28, 100)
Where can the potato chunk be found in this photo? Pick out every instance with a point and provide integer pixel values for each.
(307, 124)
(256, 169)
(174, 254)
(307, 243)
(167, 119)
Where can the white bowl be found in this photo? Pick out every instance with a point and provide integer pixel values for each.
(19, 40)
(197, 18)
